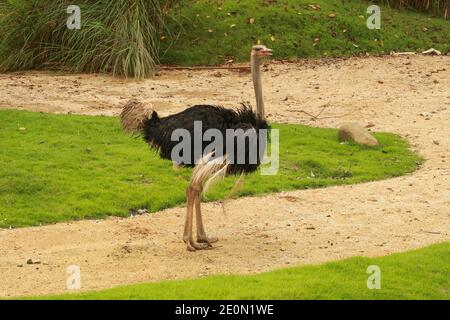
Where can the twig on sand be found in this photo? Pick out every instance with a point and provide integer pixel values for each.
(431, 232)
(318, 115)
(315, 117)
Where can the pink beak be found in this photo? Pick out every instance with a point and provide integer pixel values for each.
(266, 52)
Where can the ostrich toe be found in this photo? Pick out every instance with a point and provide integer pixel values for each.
(194, 246)
(205, 239)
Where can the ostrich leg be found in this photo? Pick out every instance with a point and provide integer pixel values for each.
(192, 193)
(201, 234)
(204, 174)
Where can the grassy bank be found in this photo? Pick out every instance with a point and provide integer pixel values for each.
(129, 37)
(419, 274)
(436, 7)
(67, 167)
(211, 32)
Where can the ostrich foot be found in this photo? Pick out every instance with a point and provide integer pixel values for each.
(194, 246)
(205, 239)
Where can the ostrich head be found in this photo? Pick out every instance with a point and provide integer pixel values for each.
(259, 52)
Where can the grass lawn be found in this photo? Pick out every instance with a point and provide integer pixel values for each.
(66, 167)
(211, 31)
(126, 37)
(419, 274)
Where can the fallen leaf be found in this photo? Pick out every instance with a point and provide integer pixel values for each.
(332, 15)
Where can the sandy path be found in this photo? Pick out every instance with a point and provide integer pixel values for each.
(409, 96)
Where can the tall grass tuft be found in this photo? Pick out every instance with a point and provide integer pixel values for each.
(437, 7)
(116, 36)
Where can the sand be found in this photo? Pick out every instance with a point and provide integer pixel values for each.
(406, 95)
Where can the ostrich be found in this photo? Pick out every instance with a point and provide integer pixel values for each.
(136, 119)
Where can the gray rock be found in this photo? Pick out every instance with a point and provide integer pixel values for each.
(33, 261)
(354, 132)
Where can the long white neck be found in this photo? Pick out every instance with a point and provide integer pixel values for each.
(256, 75)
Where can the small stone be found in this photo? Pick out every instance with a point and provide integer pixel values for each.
(33, 261)
(354, 132)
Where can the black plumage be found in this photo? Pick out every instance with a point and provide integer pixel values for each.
(158, 132)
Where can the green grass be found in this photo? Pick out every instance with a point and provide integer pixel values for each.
(211, 32)
(129, 37)
(419, 274)
(118, 37)
(66, 167)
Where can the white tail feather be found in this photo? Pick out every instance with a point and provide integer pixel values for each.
(208, 171)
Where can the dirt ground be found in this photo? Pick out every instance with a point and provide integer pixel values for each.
(406, 95)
